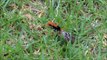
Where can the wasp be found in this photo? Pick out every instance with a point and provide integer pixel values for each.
(67, 36)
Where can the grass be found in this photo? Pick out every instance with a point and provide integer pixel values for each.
(24, 34)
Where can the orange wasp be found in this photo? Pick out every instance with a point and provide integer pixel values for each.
(67, 36)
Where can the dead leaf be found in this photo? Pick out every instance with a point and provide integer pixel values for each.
(105, 40)
(37, 52)
(105, 36)
(39, 28)
(13, 6)
(32, 26)
(104, 43)
(28, 16)
(41, 14)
